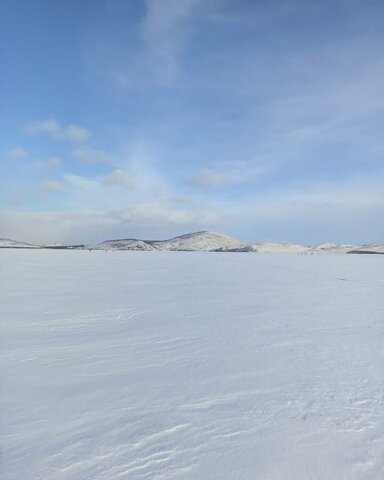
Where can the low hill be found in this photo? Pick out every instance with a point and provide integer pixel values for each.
(7, 243)
(203, 241)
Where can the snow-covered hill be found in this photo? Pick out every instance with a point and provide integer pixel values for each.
(200, 241)
(330, 248)
(125, 244)
(197, 241)
(370, 248)
(279, 247)
(218, 242)
(209, 242)
(7, 243)
(267, 247)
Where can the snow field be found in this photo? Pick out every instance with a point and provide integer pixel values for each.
(181, 365)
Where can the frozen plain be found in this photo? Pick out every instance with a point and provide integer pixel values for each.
(173, 365)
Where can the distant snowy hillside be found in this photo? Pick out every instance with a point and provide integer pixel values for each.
(371, 248)
(218, 242)
(200, 241)
(7, 243)
(330, 248)
(125, 244)
(209, 242)
(279, 247)
(266, 247)
(205, 241)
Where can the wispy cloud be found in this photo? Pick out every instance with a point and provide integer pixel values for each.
(80, 182)
(17, 152)
(50, 163)
(92, 155)
(71, 133)
(324, 211)
(118, 178)
(207, 178)
(163, 31)
(263, 110)
(140, 220)
(52, 186)
(229, 173)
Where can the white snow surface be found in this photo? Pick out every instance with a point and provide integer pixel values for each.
(194, 366)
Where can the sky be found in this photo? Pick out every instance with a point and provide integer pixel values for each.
(263, 120)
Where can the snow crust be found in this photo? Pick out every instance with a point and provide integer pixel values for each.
(119, 365)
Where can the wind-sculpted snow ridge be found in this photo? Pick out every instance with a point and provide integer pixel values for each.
(175, 366)
(197, 241)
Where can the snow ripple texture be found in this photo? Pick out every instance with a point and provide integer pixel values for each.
(172, 365)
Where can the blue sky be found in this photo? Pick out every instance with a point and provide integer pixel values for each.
(260, 119)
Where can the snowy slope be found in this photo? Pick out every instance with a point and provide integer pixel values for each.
(189, 367)
(7, 243)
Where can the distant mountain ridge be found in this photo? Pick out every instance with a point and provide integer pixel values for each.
(209, 242)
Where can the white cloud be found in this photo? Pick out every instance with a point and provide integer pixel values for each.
(207, 178)
(50, 163)
(15, 201)
(52, 186)
(140, 220)
(118, 178)
(75, 133)
(17, 152)
(308, 214)
(81, 183)
(155, 215)
(91, 155)
(71, 133)
(162, 31)
(229, 173)
(50, 127)
(348, 212)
